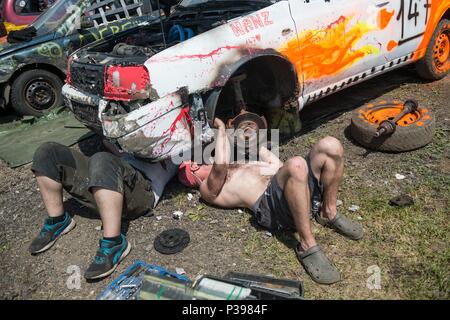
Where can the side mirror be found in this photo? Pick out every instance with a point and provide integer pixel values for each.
(86, 22)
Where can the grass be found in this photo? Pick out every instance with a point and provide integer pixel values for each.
(410, 245)
(198, 213)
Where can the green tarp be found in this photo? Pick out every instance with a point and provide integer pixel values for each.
(19, 139)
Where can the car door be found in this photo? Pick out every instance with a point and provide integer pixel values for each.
(342, 42)
(411, 18)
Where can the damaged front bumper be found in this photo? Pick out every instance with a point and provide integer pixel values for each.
(85, 106)
(156, 131)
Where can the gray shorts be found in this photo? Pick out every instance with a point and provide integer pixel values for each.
(78, 174)
(272, 210)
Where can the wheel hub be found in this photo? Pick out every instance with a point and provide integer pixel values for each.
(389, 112)
(40, 94)
(442, 51)
(249, 129)
(248, 125)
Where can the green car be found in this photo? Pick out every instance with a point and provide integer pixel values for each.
(33, 63)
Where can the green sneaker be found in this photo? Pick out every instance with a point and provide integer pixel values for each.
(50, 233)
(108, 257)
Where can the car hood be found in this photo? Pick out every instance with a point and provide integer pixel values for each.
(8, 48)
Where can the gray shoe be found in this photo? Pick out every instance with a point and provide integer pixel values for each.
(108, 257)
(318, 266)
(343, 225)
(50, 233)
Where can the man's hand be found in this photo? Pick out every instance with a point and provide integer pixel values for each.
(267, 156)
(218, 124)
(217, 177)
(274, 162)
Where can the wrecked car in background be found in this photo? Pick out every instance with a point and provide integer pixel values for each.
(241, 59)
(17, 14)
(33, 68)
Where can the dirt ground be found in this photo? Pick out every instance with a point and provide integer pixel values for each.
(409, 246)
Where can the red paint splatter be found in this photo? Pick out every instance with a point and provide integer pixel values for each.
(195, 56)
(184, 114)
(335, 23)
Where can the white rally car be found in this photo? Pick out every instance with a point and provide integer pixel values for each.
(234, 59)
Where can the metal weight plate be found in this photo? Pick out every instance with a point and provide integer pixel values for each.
(171, 241)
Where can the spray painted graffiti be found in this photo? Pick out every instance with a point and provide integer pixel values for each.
(73, 22)
(51, 50)
(327, 51)
(250, 23)
(7, 66)
(69, 38)
(87, 36)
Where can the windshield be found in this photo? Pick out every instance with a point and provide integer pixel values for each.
(63, 16)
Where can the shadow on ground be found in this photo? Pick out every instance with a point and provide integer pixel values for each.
(329, 108)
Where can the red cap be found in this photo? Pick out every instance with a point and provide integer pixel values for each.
(186, 176)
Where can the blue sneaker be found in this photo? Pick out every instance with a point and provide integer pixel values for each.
(50, 233)
(108, 257)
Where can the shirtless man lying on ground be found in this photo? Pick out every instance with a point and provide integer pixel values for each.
(283, 196)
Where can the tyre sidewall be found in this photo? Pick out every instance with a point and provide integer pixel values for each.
(404, 138)
(426, 66)
(18, 88)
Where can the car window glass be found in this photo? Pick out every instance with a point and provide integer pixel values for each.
(23, 7)
(31, 7)
(63, 14)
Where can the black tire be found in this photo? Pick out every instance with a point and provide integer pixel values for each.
(36, 91)
(405, 138)
(429, 67)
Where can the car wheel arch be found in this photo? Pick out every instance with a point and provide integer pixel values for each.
(446, 15)
(26, 67)
(282, 70)
(31, 66)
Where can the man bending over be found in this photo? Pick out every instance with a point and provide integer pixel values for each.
(282, 196)
(116, 187)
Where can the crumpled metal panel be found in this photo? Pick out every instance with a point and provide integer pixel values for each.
(155, 131)
(72, 93)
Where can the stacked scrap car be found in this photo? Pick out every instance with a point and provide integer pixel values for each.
(33, 68)
(17, 14)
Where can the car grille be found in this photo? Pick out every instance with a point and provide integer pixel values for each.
(87, 114)
(86, 77)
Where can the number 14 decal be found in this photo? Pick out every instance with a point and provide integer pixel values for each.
(416, 9)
